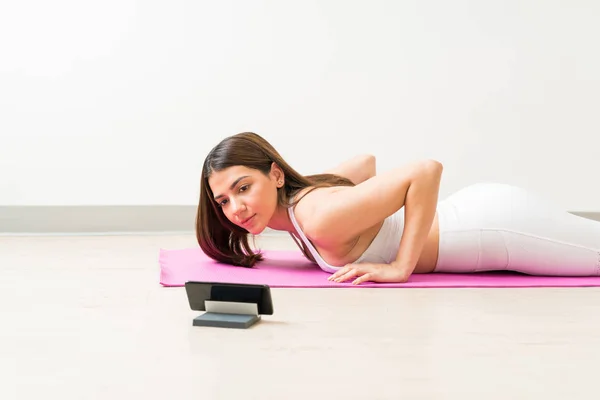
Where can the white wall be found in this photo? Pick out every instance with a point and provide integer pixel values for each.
(118, 102)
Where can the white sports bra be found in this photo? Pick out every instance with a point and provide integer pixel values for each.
(383, 248)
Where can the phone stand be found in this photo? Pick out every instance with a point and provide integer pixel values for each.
(228, 314)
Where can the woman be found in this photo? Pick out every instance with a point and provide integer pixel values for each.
(361, 226)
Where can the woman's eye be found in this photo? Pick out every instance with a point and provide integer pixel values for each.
(221, 204)
(244, 188)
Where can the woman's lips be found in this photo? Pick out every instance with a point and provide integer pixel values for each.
(248, 221)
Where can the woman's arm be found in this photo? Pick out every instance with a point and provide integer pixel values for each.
(419, 213)
(358, 169)
(346, 213)
(335, 218)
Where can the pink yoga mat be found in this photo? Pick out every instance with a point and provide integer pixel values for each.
(289, 269)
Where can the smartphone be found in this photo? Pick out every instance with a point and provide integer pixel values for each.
(199, 292)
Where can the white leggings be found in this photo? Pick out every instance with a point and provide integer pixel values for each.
(492, 226)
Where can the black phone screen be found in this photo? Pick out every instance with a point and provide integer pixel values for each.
(199, 292)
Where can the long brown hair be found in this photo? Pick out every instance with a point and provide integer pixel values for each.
(219, 238)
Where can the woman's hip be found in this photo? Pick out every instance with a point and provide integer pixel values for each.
(492, 226)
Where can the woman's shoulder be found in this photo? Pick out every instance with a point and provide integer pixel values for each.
(309, 202)
(308, 199)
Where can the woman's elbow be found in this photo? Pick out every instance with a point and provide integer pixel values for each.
(432, 169)
(368, 165)
(435, 165)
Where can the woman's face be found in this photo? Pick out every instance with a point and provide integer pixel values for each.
(247, 197)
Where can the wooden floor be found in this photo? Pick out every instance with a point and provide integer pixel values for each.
(85, 318)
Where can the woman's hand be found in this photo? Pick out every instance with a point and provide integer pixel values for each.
(365, 272)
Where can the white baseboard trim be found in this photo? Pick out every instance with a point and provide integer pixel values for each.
(100, 220)
(113, 220)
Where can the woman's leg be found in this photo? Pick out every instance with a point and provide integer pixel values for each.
(493, 226)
